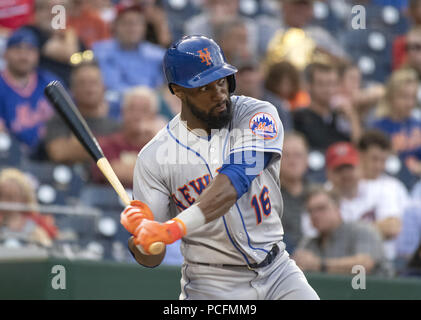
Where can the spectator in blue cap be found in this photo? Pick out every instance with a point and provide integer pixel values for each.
(22, 36)
(23, 107)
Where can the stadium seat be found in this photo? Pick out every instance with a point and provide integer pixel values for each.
(326, 18)
(56, 184)
(84, 227)
(100, 196)
(396, 168)
(254, 8)
(10, 152)
(371, 51)
(408, 179)
(178, 12)
(114, 236)
(316, 167)
(386, 18)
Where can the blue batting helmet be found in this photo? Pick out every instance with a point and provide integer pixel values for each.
(194, 61)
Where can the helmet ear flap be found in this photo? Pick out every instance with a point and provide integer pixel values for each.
(231, 83)
(171, 90)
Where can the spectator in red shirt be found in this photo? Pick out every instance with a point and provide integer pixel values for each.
(140, 124)
(400, 49)
(14, 14)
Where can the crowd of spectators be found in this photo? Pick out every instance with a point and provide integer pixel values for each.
(348, 96)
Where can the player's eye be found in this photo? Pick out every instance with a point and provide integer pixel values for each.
(203, 89)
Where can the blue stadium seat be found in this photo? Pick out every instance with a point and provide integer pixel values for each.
(51, 178)
(85, 227)
(316, 172)
(397, 168)
(254, 8)
(373, 46)
(407, 178)
(100, 196)
(178, 12)
(10, 152)
(111, 236)
(325, 17)
(399, 4)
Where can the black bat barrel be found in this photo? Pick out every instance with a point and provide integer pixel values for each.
(64, 105)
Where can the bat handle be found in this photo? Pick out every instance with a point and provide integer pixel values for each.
(109, 173)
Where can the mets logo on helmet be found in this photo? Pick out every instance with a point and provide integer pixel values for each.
(262, 124)
(205, 56)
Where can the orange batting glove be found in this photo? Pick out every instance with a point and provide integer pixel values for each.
(152, 231)
(134, 214)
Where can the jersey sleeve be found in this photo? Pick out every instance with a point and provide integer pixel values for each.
(256, 127)
(150, 188)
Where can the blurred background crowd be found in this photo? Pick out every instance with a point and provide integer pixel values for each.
(344, 76)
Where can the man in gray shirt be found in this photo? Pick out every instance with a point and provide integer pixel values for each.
(294, 187)
(88, 90)
(339, 246)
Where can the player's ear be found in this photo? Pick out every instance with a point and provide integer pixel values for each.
(178, 91)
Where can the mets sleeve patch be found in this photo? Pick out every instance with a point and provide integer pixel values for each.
(263, 125)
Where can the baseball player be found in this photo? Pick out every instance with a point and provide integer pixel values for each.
(211, 178)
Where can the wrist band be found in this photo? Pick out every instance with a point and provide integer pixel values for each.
(191, 218)
(184, 231)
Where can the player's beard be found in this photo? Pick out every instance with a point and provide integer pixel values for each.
(213, 122)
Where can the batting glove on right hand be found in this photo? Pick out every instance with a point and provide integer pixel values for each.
(150, 232)
(134, 214)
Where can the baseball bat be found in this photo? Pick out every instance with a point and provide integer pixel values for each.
(64, 105)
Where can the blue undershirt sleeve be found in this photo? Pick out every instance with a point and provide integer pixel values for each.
(243, 167)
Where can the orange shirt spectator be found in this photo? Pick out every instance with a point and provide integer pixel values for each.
(88, 25)
(300, 100)
(283, 80)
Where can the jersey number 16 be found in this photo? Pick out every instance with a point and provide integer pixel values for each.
(261, 204)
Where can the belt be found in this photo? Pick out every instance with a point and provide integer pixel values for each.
(267, 261)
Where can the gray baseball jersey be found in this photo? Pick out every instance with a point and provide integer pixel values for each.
(174, 169)
(176, 166)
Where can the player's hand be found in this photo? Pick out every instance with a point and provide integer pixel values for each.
(342, 104)
(389, 227)
(150, 232)
(134, 214)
